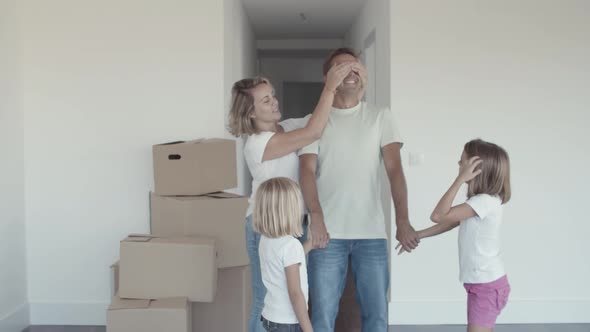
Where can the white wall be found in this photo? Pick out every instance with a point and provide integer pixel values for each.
(515, 73)
(14, 314)
(239, 63)
(103, 81)
(374, 16)
(299, 44)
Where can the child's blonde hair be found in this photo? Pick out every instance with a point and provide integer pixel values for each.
(495, 170)
(278, 209)
(242, 106)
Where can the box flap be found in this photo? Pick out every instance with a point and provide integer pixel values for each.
(219, 194)
(171, 143)
(139, 238)
(218, 140)
(197, 141)
(223, 194)
(118, 303)
(190, 240)
(170, 303)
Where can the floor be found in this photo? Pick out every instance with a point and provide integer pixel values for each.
(429, 328)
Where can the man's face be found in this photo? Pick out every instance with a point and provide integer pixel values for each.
(352, 83)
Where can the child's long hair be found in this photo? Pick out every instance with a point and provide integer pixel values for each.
(279, 208)
(495, 170)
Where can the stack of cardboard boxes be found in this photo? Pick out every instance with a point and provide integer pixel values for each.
(191, 273)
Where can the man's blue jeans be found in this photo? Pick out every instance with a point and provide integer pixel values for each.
(327, 269)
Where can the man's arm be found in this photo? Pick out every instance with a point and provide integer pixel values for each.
(307, 177)
(405, 234)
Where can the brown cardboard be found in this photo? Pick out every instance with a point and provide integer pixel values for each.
(194, 167)
(170, 315)
(219, 216)
(231, 308)
(161, 267)
(114, 278)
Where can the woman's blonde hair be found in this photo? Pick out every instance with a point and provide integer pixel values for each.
(495, 170)
(242, 106)
(278, 209)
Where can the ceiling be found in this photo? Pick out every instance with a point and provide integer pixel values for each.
(282, 19)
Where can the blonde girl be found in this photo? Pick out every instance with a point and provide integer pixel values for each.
(277, 217)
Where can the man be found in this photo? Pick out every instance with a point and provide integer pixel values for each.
(341, 187)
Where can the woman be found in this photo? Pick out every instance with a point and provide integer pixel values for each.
(270, 150)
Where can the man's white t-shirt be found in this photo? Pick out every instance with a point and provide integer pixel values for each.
(275, 255)
(285, 166)
(479, 241)
(348, 170)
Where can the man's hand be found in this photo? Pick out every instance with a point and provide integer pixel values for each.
(406, 235)
(319, 233)
(308, 244)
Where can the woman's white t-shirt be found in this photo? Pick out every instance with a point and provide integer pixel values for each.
(285, 166)
(479, 241)
(275, 255)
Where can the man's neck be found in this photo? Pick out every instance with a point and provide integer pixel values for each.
(345, 101)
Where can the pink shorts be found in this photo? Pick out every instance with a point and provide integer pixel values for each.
(486, 301)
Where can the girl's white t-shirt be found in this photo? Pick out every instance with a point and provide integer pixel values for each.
(275, 255)
(285, 166)
(479, 241)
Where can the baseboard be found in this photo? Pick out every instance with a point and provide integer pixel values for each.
(75, 313)
(518, 311)
(16, 321)
(400, 313)
(499, 328)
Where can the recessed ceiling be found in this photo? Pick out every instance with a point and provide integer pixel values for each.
(309, 19)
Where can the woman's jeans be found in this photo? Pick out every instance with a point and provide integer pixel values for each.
(258, 289)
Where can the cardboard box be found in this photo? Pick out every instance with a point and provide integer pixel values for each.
(231, 308)
(114, 278)
(170, 315)
(219, 216)
(195, 167)
(157, 267)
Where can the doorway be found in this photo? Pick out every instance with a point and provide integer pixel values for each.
(287, 42)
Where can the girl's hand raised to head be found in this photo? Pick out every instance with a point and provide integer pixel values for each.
(467, 169)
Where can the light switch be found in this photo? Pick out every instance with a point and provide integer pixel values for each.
(416, 158)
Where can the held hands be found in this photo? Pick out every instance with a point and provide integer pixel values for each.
(467, 169)
(408, 238)
(336, 75)
(400, 249)
(318, 232)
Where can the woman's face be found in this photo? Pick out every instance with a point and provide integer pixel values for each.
(266, 105)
